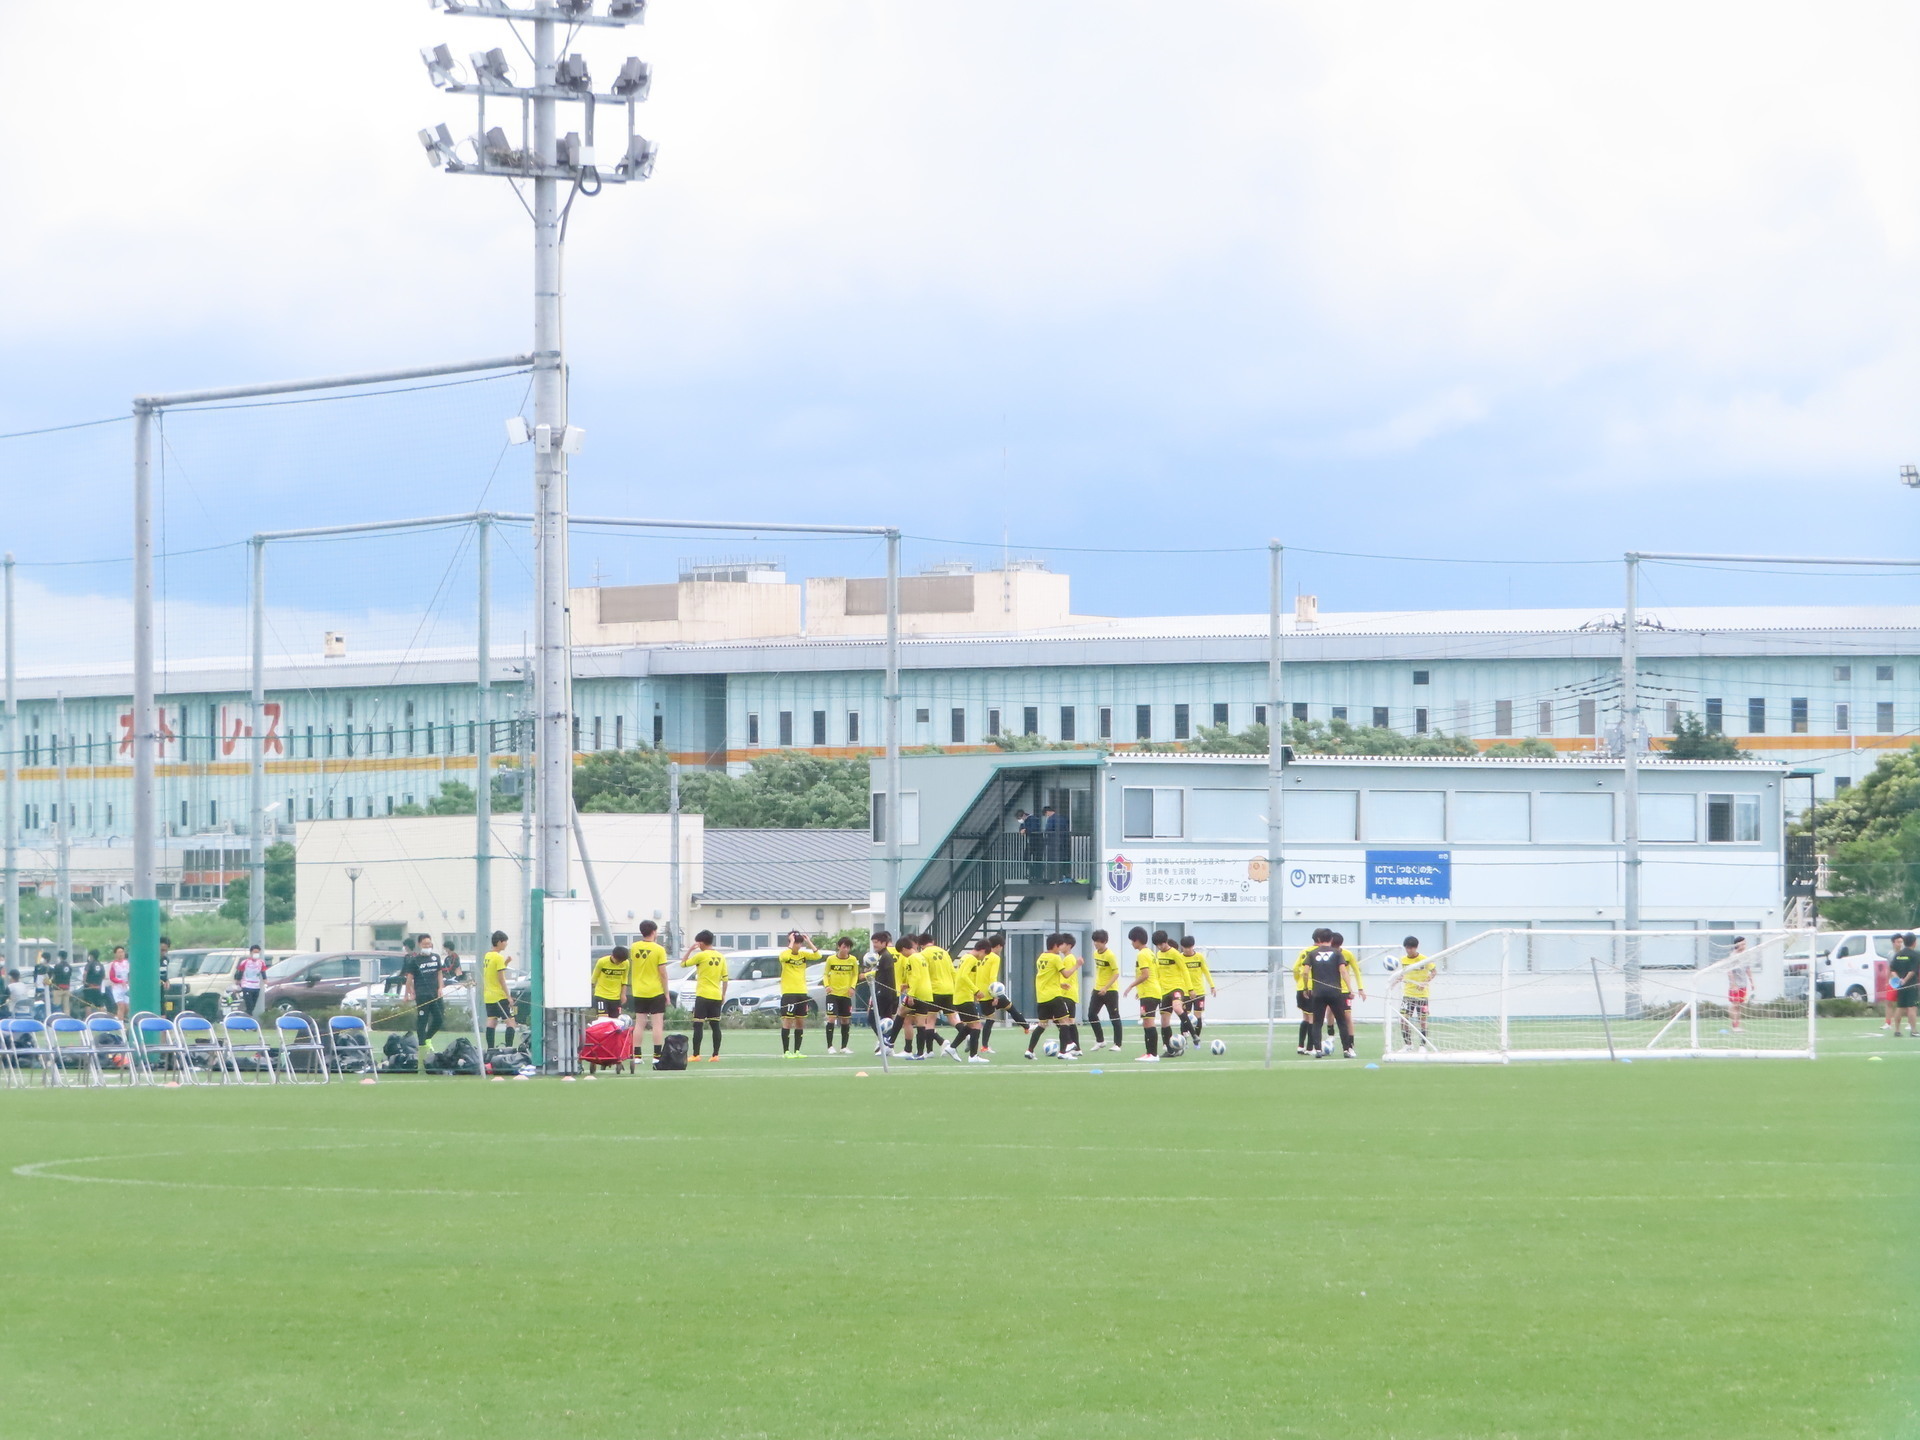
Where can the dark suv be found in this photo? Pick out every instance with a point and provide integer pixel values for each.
(318, 981)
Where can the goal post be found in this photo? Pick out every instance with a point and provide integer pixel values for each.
(1545, 994)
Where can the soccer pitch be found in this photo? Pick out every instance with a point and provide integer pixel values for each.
(768, 1247)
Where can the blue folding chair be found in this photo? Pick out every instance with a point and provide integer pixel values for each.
(351, 1044)
(73, 1051)
(28, 1047)
(247, 1050)
(113, 1056)
(303, 1049)
(200, 1046)
(159, 1052)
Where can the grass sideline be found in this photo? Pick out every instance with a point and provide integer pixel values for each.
(1667, 1249)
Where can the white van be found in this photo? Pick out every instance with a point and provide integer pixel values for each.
(1852, 964)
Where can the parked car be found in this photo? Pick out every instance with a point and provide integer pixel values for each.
(314, 981)
(1852, 964)
(755, 984)
(201, 980)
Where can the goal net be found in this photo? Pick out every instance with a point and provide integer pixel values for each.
(1595, 994)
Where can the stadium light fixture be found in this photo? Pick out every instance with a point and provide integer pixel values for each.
(637, 163)
(497, 150)
(490, 69)
(439, 145)
(517, 431)
(630, 10)
(575, 9)
(1910, 476)
(635, 79)
(571, 74)
(570, 153)
(441, 66)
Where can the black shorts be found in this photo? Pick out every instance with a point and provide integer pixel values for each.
(98, 998)
(1149, 1004)
(967, 1010)
(921, 1007)
(886, 999)
(1197, 1001)
(647, 1004)
(840, 1006)
(608, 1008)
(704, 1009)
(1170, 998)
(1059, 1008)
(791, 1005)
(499, 1009)
(1330, 1004)
(1304, 999)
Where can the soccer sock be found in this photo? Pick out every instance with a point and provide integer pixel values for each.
(1199, 1023)
(1099, 1035)
(1034, 1038)
(489, 1037)
(799, 1034)
(1073, 1038)
(986, 1031)
(696, 1039)
(716, 1035)
(784, 1033)
(1186, 1023)
(1305, 1027)
(973, 1042)
(1153, 1039)
(1116, 1032)
(656, 1052)
(1166, 1037)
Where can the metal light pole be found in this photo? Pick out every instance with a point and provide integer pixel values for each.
(353, 907)
(13, 790)
(1630, 778)
(1276, 782)
(257, 757)
(483, 746)
(63, 831)
(892, 700)
(673, 858)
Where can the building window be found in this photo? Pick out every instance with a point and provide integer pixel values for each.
(1883, 717)
(1546, 717)
(1716, 717)
(1106, 722)
(1589, 717)
(753, 729)
(1733, 819)
(1300, 710)
(619, 732)
(922, 716)
(329, 741)
(1030, 720)
(660, 729)
(819, 727)
(349, 807)
(1181, 721)
(1339, 712)
(1883, 672)
(1419, 720)
(1066, 722)
(1259, 714)
(596, 733)
(1843, 672)
(1842, 717)
(1673, 716)
(1756, 716)
(309, 807)
(1503, 717)
(349, 740)
(1420, 677)
(957, 726)
(213, 812)
(1151, 813)
(786, 729)
(1380, 721)
(993, 723)
(576, 735)
(1842, 782)
(1143, 722)
(389, 804)
(409, 719)
(853, 726)
(1219, 714)
(183, 817)
(1797, 715)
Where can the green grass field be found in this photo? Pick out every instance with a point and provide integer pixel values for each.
(778, 1248)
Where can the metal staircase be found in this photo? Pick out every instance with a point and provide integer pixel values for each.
(986, 874)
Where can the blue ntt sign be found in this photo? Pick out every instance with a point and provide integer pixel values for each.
(1409, 875)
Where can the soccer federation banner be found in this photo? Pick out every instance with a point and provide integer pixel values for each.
(1225, 884)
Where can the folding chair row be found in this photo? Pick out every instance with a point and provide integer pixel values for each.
(186, 1050)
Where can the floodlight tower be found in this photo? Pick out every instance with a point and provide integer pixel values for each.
(546, 159)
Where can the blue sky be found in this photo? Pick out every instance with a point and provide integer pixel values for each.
(1483, 282)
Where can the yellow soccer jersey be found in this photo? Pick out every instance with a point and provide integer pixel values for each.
(1172, 970)
(609, 977)
(1046, 977)
(939, 968)
(645, 981)
(1106, 969)
(842, 973)
(1070, 977)
(963, 980)
(1199, 975)
(793, 970)
(986, 974)
(710, 966)
(1302, 975)
(1148, 972)
(918, 983)
(1416, 975)
(494, 967)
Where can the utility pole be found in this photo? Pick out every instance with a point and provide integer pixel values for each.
(62, 831)
(891, 808)
(674, 947)
(13, 790)
(1630, 778)
(257, 756)
(547, 160)
(1276, 785)
(483, 746)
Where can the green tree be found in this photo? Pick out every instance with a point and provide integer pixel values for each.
(1339, 737)
(1870, 836)
(1222, 740)
(280, 872)
(1692, 740)
(785, 789)
(1532, 747)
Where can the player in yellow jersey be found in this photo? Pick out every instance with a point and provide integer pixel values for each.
(1336, 980)
(841, 973)
(793, 989)
(1105, 995)
(1172, 973)
(1052, 983)
(1303, 987)
(940, 972)
(916, 999)
(709, 990)
(1199, 982)
(1146, 983)
(1416, 987)
(493, 971)
(647, 985)
(610, 981)
(966, 1007)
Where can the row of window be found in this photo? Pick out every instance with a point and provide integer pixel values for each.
(1547, 817)
(1841, 673)
(999, 722)
(1799, 716)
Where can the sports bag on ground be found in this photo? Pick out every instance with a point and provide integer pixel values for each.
(673, 1054)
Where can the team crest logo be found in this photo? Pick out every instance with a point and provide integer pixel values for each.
(1119, 874)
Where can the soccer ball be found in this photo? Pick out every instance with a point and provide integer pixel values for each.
(1219, 1047)
(1390, 964)
(1176, 1046)
(1050, 1049)
(997, 990)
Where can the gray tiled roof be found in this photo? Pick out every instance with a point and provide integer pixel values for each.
(787, 865)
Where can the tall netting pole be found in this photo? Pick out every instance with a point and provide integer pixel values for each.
(1276, 782)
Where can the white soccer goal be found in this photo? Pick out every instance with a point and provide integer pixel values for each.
(1599, 994)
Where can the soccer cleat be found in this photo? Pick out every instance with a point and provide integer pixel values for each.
(978, 1060)
(1072, 1053)
(1347, 1054)
(1154, 1058)
(1028, 1054)
(950, 1052)
(986, 1049)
